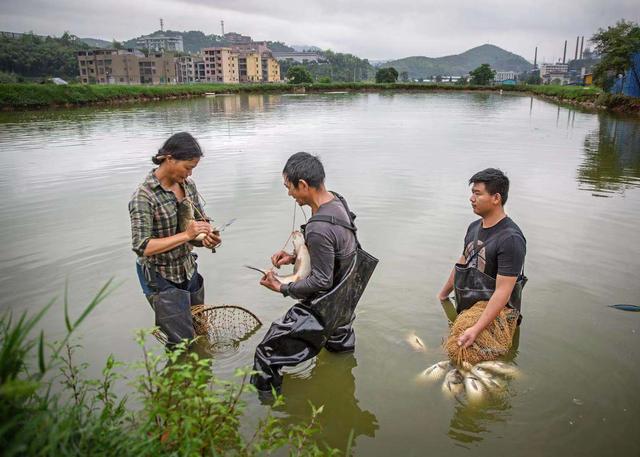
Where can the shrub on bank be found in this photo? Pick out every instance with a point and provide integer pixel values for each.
(184, 409)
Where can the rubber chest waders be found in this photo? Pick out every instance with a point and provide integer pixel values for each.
(310, 325)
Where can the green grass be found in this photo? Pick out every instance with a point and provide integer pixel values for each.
(29, 96)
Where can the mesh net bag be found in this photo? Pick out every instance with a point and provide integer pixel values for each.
(493, 342)
(220, 325)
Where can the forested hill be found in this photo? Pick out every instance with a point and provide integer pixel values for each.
(460, 64)
(194, 41)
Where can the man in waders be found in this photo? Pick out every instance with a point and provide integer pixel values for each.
(340, 270)
(491, 267)
(166, 267)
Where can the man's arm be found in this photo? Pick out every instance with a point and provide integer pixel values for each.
(499, 299)
(448, 286)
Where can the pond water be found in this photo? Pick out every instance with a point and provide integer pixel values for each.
(402, 161)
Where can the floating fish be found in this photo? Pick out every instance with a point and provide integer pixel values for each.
(415, 342)
(436, 371)
(624, 307)
(487, 378)
(453, 383)
(500, 368)
(475, 389)
(302, 266)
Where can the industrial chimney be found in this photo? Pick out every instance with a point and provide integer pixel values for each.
(564, 56)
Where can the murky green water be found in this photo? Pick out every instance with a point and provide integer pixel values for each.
(402, 161)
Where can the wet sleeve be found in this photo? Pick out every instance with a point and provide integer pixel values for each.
(511, 254)
(141, 215)
(322, 253)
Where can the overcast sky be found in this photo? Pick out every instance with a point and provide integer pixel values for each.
(374, 29)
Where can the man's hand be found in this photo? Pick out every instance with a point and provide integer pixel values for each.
(468, 336)
(212, 240)
(282, 258)
(270, 282)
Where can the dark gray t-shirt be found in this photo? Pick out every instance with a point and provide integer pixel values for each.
(502, 248)
(331, 248)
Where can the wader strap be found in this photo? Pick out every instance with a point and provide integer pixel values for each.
(333, 220)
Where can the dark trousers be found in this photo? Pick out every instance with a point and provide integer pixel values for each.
(172, 303)
(293, 339)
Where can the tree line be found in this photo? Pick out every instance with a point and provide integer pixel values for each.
(34, 56)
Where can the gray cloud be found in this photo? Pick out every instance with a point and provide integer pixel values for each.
(375, 29)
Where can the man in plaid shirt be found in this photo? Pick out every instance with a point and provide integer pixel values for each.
(166, 267)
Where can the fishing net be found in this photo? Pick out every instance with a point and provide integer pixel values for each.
(493, 342)
(220, 325)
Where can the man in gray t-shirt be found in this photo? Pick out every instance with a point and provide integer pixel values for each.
(300, 334)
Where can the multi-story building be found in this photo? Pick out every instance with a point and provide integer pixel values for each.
(118, 66)
(504, 76)
(190, 69)
(158, 43)
(270, 69)
(550, 72)
(109, 66)
(249, 67)
(236, 38)
(221, 65)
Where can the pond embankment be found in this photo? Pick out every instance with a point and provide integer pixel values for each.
(38, 96)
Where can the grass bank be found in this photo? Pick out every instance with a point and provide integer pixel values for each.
(33, 96)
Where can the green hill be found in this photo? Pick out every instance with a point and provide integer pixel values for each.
(460, 64)
(194, 41)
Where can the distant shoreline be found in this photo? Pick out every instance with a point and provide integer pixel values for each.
(19, 97)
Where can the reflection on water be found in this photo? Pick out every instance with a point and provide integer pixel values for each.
(611, 157)
(470, 422)
(333, 386)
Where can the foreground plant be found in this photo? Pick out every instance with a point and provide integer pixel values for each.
(183, 409)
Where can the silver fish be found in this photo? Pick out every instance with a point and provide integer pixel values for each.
(501, 368)
(487, 378)
(416, 342)
(475, 389)
(302, 266)
(453, 383)
(436, 371)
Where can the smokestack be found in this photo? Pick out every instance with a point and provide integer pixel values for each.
(222, 26)
(564, 56)
(577, 43)
(161, 25)
(581, 46)
(535, 58)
